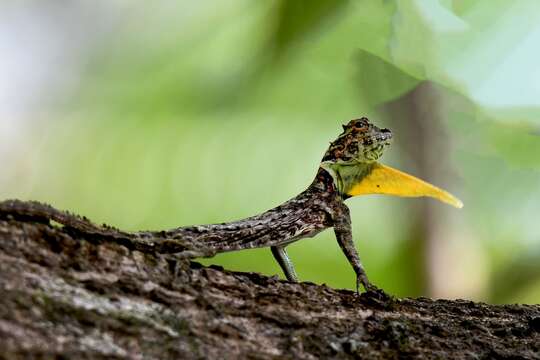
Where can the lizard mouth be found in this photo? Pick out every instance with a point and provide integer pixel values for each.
(384, 137)
(379, 141)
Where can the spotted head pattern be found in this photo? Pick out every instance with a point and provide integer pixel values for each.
(360, 142)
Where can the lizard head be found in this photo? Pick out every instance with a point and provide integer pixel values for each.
(360, 142)
(351, 160)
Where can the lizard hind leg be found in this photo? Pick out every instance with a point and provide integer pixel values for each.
(281, 256)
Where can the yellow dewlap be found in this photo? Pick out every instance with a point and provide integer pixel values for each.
(386, 180)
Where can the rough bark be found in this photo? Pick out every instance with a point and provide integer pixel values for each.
(73, 295)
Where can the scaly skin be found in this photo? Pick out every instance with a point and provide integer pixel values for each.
(319, 207)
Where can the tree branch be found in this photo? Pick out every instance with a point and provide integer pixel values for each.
(80, 295)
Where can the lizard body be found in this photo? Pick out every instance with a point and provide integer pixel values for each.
(348, 168)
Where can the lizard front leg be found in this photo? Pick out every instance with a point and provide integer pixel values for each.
(343, 231)
(281, 256)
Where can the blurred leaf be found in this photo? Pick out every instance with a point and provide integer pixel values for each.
(517, 146)
(379, 81)
(296, 20)
(489, 52)
(516, 276)
(485, 50)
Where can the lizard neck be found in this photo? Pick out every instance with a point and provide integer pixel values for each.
(340, 178)
(324, 182)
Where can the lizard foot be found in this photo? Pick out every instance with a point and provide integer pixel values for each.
(362, 279)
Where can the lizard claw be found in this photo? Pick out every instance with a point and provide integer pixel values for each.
(368, 286)
(376, 295)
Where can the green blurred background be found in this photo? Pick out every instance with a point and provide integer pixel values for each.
(156, 115)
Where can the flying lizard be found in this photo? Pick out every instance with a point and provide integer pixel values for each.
(349, 168)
